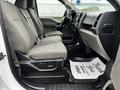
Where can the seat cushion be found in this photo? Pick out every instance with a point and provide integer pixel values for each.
(54, 33)
(48, 51)
(51, 39)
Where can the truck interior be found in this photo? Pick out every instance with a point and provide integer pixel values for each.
(78, 53)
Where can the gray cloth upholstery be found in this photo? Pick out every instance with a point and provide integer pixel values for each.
(48, 51)
(51, 39)
(53, 33)
(116, 72)
(24, 37)
(21, 34)
(31, 24)
(39, 26)
(37, 22)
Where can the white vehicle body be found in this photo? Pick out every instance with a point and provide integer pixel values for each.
(7, 80)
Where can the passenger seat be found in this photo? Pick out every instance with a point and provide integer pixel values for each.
(115, 73)
(39, 25)
(24, 37)
(22, 5)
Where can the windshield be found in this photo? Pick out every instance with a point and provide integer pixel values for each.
(92, 6)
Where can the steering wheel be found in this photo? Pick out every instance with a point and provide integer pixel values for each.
(66, 19)
(77, 25)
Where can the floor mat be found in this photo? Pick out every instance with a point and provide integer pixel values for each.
(87, 70)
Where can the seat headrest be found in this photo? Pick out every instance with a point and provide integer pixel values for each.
(21, 4)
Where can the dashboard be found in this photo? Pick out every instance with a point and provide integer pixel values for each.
(99, 32)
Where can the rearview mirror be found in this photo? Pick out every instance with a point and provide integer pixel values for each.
(78, 2)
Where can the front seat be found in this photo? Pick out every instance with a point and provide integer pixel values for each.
(24, 37)
(22, 5)
(115, 73)
(39, 25)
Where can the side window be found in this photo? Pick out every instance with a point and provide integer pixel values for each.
(11, 1)
(50, 8)
(93, 6)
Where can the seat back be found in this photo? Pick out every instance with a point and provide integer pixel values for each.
(22, 5)
(31, 17)
(35, 18)
(116, 72)
(27, 17)
(37, 22)
(20, 33)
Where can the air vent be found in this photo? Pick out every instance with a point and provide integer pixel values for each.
(96, 21)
